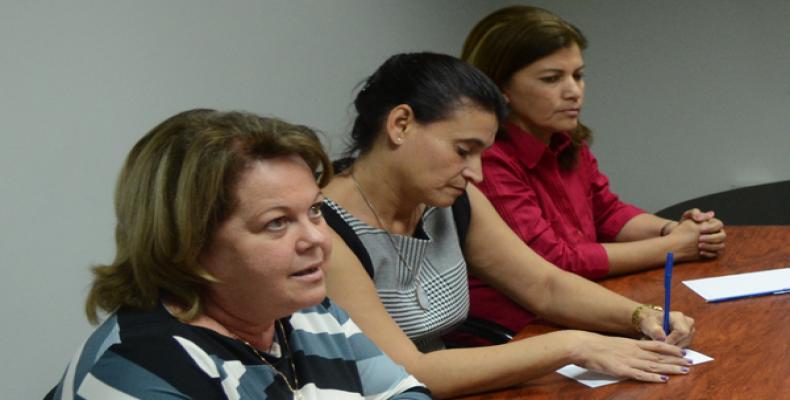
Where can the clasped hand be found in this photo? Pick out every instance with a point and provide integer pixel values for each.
(708, 232)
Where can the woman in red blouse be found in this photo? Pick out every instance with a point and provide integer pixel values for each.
(541, 176)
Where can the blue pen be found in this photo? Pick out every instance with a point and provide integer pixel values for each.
(667, 289)
(746, 296)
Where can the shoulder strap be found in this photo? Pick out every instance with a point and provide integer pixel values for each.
(462, 214)
(344, 230)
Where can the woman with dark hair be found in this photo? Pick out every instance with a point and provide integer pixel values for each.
(217, 288)
(541, 176)
(408, 225)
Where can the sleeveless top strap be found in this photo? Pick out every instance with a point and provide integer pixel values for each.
(462, 213)
(343, 229)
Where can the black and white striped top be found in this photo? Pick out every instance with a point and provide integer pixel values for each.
(139, 354)
(434, 251)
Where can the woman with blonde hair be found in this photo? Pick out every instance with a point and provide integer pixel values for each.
(217, 288)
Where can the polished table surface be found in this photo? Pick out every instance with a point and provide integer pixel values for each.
(748, 338)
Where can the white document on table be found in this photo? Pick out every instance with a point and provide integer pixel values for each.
(595, 379)
(750, 284)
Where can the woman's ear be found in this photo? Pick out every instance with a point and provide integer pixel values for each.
(504, 89)
(399, 120)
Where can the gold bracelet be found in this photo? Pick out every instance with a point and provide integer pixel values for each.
(636, 316)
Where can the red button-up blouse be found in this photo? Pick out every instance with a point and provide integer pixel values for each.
(563, 215)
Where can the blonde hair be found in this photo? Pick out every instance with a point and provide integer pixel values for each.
(511, 38)
(174, 189)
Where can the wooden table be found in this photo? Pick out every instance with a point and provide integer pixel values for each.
(748, 338)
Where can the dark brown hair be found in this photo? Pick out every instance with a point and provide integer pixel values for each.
(511, 38)
(433, 85)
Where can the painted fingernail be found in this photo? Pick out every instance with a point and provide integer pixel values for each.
(664, 378)
(684, 369)
(684, 352)
(690, 361)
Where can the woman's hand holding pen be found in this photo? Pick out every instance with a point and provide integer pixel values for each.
(644, 360)
(681, 327)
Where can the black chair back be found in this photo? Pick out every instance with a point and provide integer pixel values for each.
(767, 204)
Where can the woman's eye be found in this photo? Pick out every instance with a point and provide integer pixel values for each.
(277, 224)
(578, 76)
(550, 79)
(463, 152)
(315, 211)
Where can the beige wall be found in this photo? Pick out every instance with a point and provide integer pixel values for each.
(686, 98)
(81, 81)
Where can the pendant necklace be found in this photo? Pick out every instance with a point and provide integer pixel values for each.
(419, 293)
(295, 388)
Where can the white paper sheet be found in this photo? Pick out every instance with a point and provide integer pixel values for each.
(595, 379)
(731, 287)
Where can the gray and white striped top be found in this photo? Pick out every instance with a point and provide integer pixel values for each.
(138, 354)
(435, 252)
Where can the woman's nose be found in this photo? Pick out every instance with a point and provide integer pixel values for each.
(473, 171)
(312, 235)
(573, 89)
